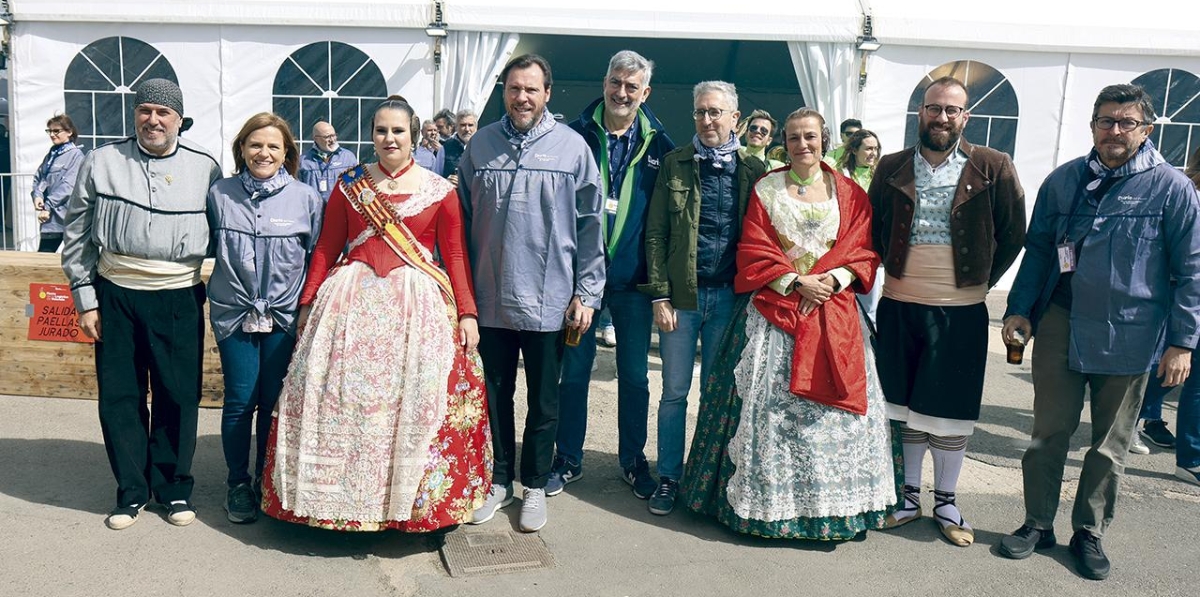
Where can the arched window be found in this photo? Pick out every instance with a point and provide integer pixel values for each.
(330, 81)
(98, 87)
(1176, 95)
(993, 105)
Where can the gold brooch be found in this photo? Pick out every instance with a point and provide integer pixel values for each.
(169, 178)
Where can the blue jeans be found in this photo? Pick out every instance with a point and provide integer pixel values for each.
(631, 318)
(678, 350)
(254, 366)
(1187, 423)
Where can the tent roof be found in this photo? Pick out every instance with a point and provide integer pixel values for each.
(1162, 27)
(1159, 27)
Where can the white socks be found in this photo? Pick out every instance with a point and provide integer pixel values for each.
(948, 454)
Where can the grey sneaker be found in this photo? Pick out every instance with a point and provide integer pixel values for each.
(663, 500)
(240, 504)
(1188, 475)
(1137, 447)
(498, 497)
(533, 510)
(563, 472)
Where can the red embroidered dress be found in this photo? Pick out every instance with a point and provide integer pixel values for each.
(382, 423)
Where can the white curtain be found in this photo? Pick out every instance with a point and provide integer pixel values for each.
(473, 60)
(828, 76)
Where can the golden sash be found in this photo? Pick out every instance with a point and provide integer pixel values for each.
(395, 234)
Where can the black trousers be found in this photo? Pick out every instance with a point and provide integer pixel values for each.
(543, 353)
(49, 244)
(152, 341)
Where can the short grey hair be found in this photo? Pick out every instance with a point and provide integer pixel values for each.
(722, 87)
(465, 113)
(628, 61)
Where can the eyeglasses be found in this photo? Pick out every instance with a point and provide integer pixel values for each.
(935, 110)
(761, 130)
(1125, 124)
(711, 113)
(56, 132)
(329, 136)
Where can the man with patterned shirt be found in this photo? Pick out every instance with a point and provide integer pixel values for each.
(949, 220)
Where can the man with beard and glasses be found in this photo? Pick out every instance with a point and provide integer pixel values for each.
(531, 207)
(136, 235)
(1119, 227)
(949, 220)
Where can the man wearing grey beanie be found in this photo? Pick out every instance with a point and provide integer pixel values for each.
(137, 233)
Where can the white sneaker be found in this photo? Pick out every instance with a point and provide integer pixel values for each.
(608, 336)
(533, 510)
(498, 497)
(1137, 447)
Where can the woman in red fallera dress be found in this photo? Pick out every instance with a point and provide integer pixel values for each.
(382, 423)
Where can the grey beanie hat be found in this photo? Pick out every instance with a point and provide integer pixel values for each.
(162, 92)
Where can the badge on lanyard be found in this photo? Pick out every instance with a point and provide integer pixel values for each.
(1066, 258)
(322, 185)
(611, 204)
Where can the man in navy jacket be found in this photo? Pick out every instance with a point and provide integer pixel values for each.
(628, 143)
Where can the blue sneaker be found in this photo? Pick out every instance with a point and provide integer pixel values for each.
(562, 473)
(638, 477)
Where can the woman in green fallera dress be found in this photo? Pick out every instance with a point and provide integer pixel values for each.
(792, 439)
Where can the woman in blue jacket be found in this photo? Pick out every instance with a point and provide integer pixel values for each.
(54, 180)
(264, 224)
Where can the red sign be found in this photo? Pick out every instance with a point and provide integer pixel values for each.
(52, 315)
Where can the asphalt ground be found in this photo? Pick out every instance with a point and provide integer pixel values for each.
(55, 488)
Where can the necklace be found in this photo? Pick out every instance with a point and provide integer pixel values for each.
(803, 183)
(392, 183)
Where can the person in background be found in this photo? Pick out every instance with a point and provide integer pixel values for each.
(792, 438)
(453, 148)
(325, 160)
(858, 161)
(1123, 224)
(848, 127)
(54, 181)
(444, 120)
(758, 130)
(692, 228)
(430, 154)
(628, 142)
(135, 239)
(1187, 416)
(382, 422)
(264, 225)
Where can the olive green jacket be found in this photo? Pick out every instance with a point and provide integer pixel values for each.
(673, 222)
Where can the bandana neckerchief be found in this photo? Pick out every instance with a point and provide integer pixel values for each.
(518, 137)
(263, 188)
(1146, 158)
(720, 156)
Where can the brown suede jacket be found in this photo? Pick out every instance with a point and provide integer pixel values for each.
(987, 218)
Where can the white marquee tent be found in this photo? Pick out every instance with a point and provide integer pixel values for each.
(1039, 63)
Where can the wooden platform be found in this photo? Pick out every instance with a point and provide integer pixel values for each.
(62, 369)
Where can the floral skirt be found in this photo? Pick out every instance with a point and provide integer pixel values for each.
(382, 422)
(767, 462)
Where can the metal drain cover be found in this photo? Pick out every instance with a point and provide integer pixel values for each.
(468, 553)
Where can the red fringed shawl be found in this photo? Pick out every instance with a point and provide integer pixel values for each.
(827, 362)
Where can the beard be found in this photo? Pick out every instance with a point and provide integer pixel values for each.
(939, 140)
